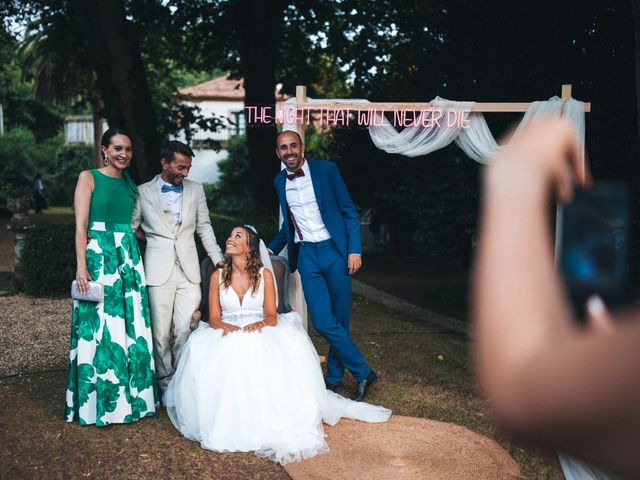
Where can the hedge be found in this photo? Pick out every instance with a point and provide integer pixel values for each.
(223, 224)
(49, 259)
(48, 263)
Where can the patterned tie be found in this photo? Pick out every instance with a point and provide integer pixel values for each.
(171, 188)
(297, 173)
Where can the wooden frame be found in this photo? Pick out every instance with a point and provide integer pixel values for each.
(301, 101)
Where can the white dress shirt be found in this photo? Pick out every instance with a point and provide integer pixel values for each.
(304, 208)
(171, 198)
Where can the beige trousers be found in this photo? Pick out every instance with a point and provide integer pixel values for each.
(171, 305)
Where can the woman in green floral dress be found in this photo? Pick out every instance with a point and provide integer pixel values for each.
(111, 371)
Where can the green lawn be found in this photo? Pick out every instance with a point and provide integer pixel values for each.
(424, 372)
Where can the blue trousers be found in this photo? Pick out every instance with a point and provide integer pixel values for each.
(327, 289)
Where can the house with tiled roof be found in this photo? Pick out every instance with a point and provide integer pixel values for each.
(221, 97)
(224, 98)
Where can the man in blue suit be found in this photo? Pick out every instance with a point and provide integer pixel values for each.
(322, 235)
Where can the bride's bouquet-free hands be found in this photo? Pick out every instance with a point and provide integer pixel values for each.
(255, 326)
(229, 328)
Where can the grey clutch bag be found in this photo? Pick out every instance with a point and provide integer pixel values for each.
(95, 293)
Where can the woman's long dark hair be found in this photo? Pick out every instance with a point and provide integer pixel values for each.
(254, 264)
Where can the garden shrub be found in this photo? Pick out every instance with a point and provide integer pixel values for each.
(21, 157)
(230, 194)
(49, 258)
(60, 181)
(223, 224)
(48, 263)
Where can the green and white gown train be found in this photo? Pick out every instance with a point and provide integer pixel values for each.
(111, 372)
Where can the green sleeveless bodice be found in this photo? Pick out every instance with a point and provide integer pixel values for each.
(111, 201)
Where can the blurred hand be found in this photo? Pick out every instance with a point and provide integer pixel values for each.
(598, 317)
(548, 149)
(354, 262)
(139, 233)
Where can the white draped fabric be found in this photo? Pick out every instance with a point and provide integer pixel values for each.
(575, 469)
(476, 140)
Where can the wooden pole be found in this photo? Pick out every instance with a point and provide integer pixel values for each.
(301, 98)
(566, 96)
(296, 295)
(484, 107)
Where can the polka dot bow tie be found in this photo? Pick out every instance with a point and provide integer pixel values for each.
(172, 188)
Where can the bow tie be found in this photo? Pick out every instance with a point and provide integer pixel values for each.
(171, 188)
(297, 173)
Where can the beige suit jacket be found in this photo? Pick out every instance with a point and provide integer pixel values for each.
(168, 241)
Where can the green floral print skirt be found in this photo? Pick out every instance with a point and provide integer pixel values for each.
(111, 370)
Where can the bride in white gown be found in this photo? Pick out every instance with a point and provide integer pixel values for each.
(250, 380)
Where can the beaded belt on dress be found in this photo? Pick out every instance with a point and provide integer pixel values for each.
(234, 317)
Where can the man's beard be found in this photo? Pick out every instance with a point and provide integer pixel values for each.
(176, 179)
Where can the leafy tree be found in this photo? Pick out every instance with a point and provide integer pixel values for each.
(21, 157)
(406, 50)
(231, 193)
(20, 106)
(242, 36)
(119, 56)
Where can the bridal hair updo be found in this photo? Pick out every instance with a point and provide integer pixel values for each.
(254, 264)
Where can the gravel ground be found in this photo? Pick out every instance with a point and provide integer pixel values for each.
(34, 334)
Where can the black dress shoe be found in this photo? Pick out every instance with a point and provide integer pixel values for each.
(363, 386)
(334, 388)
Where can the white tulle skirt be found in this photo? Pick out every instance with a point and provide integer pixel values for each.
(260, 391)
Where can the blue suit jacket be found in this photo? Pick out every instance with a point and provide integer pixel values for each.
(336, 208)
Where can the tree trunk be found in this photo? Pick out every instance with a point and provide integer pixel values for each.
(635, 8)
(98, 159)
(258, 25)
(96, 107)
(122, 81)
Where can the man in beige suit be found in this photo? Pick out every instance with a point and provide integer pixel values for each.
(170, 209)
